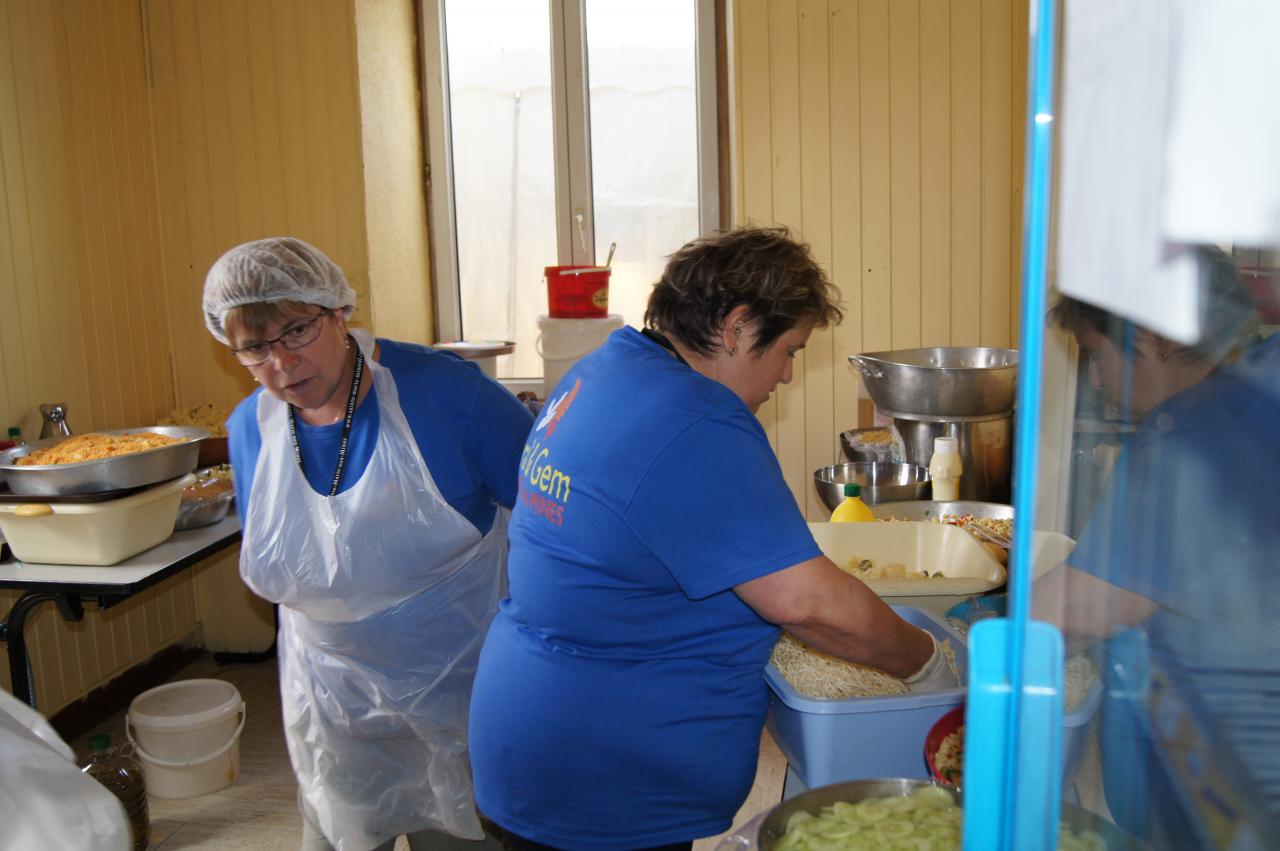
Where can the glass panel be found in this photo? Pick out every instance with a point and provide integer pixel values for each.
(503, 170)
(1172, 592)
(644, 139)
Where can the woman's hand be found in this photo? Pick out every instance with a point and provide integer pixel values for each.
(832, 611)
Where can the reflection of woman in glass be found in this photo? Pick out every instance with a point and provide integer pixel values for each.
(1193, 499)
(1185, 537)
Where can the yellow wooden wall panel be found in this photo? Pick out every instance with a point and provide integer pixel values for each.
(904, 171)
(935, 172)
(886, 133)
(846, 205)
(966, 172)
(787, 193)
(998, 134)
(876, 235)
(815, 369)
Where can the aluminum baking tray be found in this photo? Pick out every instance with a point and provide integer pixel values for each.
(109, 474)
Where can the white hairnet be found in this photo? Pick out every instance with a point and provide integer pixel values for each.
(275, 269)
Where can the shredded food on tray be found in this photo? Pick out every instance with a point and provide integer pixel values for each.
(813, 673)
(949, 760)
(96, 447)
(212, 418)
(865, 568)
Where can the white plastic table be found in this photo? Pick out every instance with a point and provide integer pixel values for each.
(69, 585)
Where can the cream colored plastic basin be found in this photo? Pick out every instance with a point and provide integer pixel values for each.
(99, 533)
(967, 568)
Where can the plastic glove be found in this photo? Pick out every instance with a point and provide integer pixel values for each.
(936, 675)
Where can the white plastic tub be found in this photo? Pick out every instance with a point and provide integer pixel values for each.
(966, 566)
(563, 342)
(96, 533)
(187, 735)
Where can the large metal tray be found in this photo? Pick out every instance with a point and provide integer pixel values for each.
(109, 474)
(925, 509)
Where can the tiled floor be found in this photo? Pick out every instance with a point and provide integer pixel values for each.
(259, 811)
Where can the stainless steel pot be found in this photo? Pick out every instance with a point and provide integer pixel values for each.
(108, 474)
(941, 382)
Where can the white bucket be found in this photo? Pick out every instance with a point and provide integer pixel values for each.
(562, 342)
(188, 736)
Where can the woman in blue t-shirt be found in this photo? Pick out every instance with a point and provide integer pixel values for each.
(372, 479)
(655, 551)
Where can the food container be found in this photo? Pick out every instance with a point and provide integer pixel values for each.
(109, 474)
(98, 533)
(1076, 724)
(203, 511)
(577, 292)
(828, 741)
(880, 482)
(947, 381)
(774, 825)
(967, 567)
(927, 509)
(882, 444)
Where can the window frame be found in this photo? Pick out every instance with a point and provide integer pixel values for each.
(571, 122)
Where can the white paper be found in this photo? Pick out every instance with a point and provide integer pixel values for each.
(1223, 160)
(1117, 63)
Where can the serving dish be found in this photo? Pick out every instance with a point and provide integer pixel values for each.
(108, 474)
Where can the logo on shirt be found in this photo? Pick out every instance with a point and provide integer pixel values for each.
(544, 487)
(556, 410)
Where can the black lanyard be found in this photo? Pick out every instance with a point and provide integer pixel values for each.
(664, 342)
(346, 428)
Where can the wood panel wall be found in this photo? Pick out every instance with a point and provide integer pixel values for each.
(888, 134)
(83, 303)
(139, 139)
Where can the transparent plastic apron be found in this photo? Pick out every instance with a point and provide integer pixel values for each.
(385, 594)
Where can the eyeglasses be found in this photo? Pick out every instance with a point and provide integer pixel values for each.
(297, 336)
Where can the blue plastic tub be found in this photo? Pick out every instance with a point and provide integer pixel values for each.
(830, 741)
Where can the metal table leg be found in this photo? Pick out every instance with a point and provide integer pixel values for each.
(72, 609)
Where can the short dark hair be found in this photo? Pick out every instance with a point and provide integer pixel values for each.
(775, 276)
(1228, 311)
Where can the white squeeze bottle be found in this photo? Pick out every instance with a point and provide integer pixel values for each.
(945, 469)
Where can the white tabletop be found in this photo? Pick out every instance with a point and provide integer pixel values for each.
(179, 548)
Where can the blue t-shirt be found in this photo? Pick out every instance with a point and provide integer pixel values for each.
(468, 427)
(620, 699)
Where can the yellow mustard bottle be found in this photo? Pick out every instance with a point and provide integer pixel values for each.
(852, 509)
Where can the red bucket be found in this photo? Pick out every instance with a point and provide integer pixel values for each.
(577, 292)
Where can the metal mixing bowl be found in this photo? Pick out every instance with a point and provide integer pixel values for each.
(774, 826)
(949, 381)
(880, 482)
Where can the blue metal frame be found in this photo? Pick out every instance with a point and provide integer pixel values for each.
(1018, 808)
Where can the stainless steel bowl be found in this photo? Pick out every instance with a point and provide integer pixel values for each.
(774, 825)
(925, 509)
(880, 482)
(108, 474)
(949, 381)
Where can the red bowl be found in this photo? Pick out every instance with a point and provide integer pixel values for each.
(943, 727)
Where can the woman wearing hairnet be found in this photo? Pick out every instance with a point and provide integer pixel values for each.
(373, 479)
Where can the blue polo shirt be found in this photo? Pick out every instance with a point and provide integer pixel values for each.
(620, 698)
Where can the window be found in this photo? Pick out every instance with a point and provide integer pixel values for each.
(556, 130)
